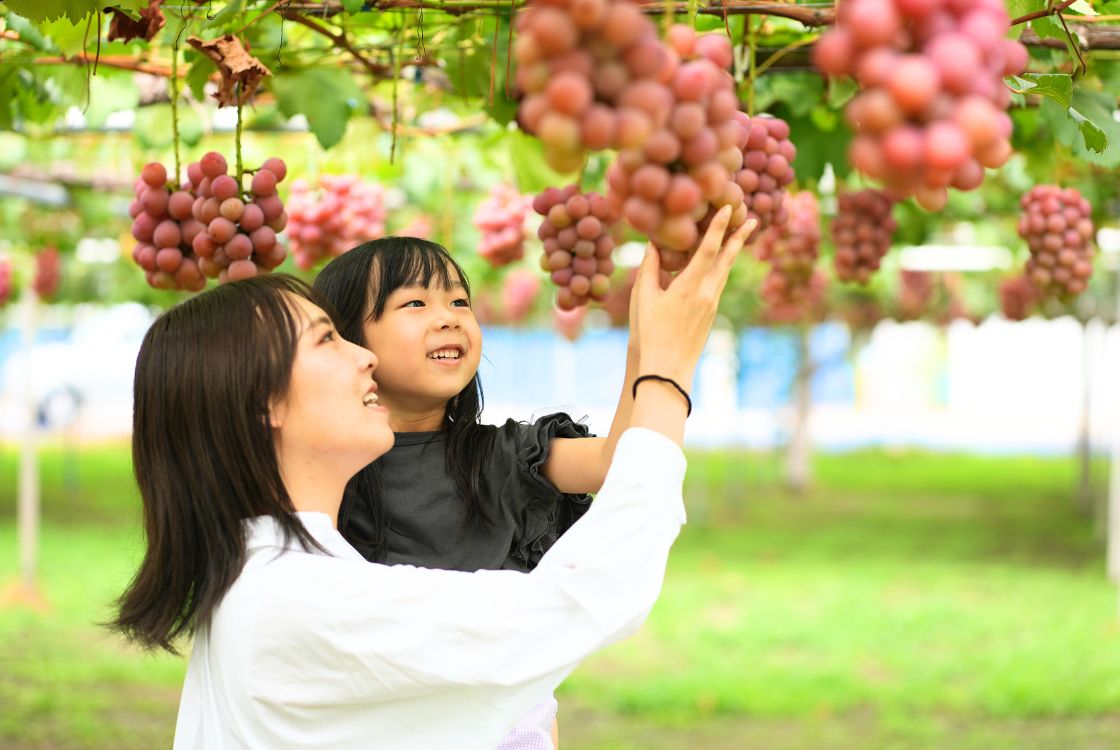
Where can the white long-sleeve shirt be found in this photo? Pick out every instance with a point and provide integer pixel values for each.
(330, 651)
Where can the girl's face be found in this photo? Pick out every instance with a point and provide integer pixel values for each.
(430, 344)
(330, 412)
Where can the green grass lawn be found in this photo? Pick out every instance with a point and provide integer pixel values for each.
(909, 601)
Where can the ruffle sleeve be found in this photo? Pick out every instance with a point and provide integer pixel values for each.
(542, 512)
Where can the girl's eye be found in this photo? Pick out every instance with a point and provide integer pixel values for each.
(413, 303)
(462, 302)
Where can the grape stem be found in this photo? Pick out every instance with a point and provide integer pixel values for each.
(1053, 10)
(173, 85)
(237, 142)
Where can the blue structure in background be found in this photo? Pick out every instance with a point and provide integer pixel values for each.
(536, 367)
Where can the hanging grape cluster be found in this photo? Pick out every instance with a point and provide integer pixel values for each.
(577, 244)
(1017, 297)
(208, 227)
(1058, 229)
(915, 293)
(669, 183)
(6, 284)
(931, 112)
(519, 290)
(48, 273)
(861, 231)
(794, 285)
(587, 68)
(501, 220)
(327, 220)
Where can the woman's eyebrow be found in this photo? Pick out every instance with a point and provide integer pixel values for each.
(322, 320)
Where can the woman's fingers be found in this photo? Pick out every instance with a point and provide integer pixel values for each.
(706, 253)
(649, 273)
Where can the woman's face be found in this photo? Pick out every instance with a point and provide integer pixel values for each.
(431, 344)
(330, 413)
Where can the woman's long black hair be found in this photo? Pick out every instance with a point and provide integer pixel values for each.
(202, 448)
(358, 284)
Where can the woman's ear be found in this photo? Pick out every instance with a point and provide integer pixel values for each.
(277, 413)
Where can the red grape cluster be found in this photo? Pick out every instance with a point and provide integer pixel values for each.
(501, 219)
(576, 235)
(324, 222)
(793, 281)
(422, 226)
(1017, 297)
(519, 290)
(6, 285)
(588, 69)
(207, 228)
(239, 236)
(669, 184)
(1058, 229)
(48, 273)
(767, 169)
(931, 109)
(915, 293)
(862, 232)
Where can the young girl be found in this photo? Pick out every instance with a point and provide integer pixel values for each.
(453, 493)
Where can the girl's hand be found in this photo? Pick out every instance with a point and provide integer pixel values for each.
(672, 324)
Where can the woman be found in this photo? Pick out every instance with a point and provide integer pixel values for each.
(251, 414)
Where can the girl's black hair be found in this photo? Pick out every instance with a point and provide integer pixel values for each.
(202, 448)
(358, 283)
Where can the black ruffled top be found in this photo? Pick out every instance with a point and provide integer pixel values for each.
(427, 515)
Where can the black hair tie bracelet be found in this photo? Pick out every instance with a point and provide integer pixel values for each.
(670, 381)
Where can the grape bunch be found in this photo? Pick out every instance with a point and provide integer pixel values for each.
(588, 69)
(669, 184)
(238, 238)
(768, 156)
(501, 219)
(1017, 297)
(327, 220)
(48, 273)
(915, 293)
(164, 227)
(931, 112)
(862, 233)
(6, 284)
(793, 284)
(577, 241)
(1058, 229)
(519, 290)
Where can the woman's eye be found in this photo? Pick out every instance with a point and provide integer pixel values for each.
(328, 336)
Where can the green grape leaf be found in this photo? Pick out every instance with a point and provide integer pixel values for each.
(326, 96)
(1057, 86)
(48, 10)
(200, 71)
(1095, 138)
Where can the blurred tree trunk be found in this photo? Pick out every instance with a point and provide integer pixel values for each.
(798, 471)
(1085, 494)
